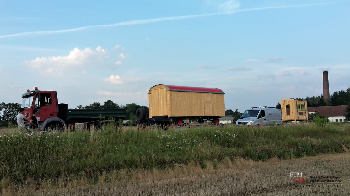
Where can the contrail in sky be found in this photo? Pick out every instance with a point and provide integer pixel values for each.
(154, 20)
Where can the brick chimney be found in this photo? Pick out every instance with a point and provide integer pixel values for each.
(325, 85)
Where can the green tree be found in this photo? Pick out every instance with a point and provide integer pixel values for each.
(340, 98)
(131, 110)
(110, 105)
(80, 107)
(316, 116)
(278, 106)
(94, 106)
(316, 101)
(236, 115)
(8, 113)
(348, 112)
(229, 112)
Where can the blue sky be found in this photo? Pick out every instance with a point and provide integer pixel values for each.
(256, 52)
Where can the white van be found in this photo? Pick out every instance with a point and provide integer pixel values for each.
(261, 115)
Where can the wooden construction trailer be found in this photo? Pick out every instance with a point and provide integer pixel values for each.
(176, 103)
(294, 110)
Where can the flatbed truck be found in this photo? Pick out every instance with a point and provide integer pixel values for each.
(52, 115)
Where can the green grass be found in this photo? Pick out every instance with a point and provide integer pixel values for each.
(78, 155)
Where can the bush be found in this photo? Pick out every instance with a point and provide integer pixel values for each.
(321, 120)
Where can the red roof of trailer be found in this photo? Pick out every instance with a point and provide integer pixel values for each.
(194, 89)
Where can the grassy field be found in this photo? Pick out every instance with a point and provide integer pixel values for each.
(238, 177)
(76, 159)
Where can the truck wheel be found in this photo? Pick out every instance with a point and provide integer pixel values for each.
(140, 114)
(54, 126)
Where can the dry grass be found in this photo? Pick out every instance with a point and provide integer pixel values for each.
(214, 176)
(237, 177)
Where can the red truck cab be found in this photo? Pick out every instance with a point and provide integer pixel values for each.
(45, 102)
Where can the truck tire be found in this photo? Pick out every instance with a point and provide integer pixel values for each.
(140, 114)
(58, 126)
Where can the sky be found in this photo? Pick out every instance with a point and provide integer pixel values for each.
(257, 52)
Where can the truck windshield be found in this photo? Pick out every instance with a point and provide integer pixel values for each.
(250, 113)
(27, 102)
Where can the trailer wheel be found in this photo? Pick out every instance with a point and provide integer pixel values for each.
(216, 122)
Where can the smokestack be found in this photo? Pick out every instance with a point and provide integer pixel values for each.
(325, 85)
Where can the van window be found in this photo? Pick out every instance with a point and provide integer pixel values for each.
(262, 113)
(250, 113)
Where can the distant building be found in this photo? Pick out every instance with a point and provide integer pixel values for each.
(334, 113)
(226, 120)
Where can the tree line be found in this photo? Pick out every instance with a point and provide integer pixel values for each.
(337, 98)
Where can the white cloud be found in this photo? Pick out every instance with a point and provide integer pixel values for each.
(252, 61)
(118, 94)
(118, 63)
(123, 56)
(84, 72)
(302, 73)
(275, 60)
(118, 48)
(228, 6)
(286, 73)
(266, 76)
(205, 67)
(59, 64)
(238, 69)
(103, 93)
(114, 79)
(268, 60)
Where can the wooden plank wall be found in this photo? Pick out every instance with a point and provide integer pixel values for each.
(163, 102)
(157, 98)
(196, 104)
(294, 113)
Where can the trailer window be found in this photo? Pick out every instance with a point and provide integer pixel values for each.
(301, 107)
(288, 109)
